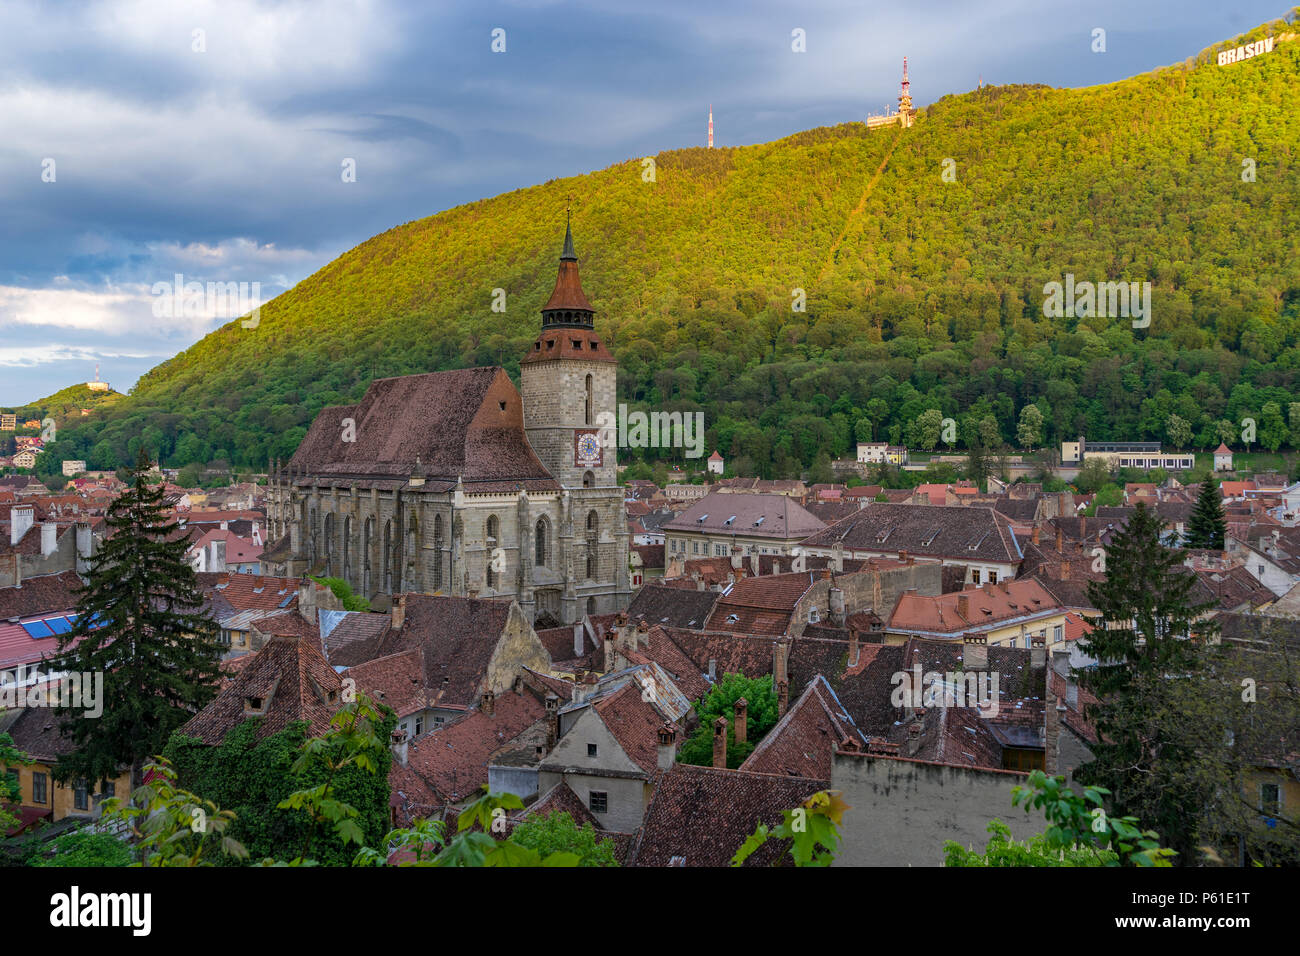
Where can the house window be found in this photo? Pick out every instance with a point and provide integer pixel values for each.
(1058, 633)
(1270, 799)
(975, 576)
(419, 726)
(81, 797)
(993, 577)
(598, 801)
(591, 750)
(110, 790)
(39, 795)
(439, 721)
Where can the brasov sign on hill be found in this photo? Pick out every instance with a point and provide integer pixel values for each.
(1237, 54)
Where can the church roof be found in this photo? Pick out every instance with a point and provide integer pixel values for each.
(568, 292)
(466, 424)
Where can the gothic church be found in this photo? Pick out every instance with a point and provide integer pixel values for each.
(458, 483)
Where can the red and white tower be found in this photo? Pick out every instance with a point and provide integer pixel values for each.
(905, 99)
(710, 126)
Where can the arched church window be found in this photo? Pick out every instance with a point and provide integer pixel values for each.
(347, 549)
(540, 543)
(388, 555)
(590, 398)
(327, 549)
(588, 480)
(437, 551)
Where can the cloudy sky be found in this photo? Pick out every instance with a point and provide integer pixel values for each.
(141, 140)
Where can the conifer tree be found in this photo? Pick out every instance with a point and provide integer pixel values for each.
(1207, 527)
(138, 623)
(1149, 641)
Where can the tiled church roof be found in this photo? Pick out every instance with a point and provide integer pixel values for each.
(467, 423)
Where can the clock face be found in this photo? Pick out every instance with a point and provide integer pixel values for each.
(586, 449)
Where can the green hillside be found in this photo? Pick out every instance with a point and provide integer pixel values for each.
(65, 405)
(921, 293)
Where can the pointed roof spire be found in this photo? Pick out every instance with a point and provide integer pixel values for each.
(568, 304)
(568, 255)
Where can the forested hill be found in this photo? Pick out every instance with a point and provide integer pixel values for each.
(919, 292)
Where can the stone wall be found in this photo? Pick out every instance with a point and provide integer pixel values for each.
(904, 810)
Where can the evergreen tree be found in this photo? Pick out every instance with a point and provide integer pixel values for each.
(1148, 642)
(1207, 527)
(138, 623)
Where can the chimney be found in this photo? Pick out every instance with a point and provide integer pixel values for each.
(837, 607)
(577, 639)
(21, 518)
(753, 562)
(737, 559)
(642, 634)
(1060, 539)
(853, 646)
(488, 703)
(713, 669)
(400, 746)
(611, 659)
(782, 697)
(963, 605)
(742, 726)
(399, 612)
(667, 747)
(975, 652)
(1035, 535)
(49, 538)
(779, 650)
(1038, 653)
(720, 743)
(916, 732)
(552, 721)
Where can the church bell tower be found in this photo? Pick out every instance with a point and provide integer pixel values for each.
(568, 380)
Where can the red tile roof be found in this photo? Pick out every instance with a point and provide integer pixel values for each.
(703, 815)
(294, 680)
(803, 742)
(453, 759)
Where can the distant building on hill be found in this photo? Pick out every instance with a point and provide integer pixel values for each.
(1223, 458)
(905, 116)
(1126, 454)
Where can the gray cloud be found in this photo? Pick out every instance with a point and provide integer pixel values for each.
(224, 164)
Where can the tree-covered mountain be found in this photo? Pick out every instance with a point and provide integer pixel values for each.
(66, 403)
(920, 292)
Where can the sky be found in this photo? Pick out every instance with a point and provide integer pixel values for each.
(142, 140)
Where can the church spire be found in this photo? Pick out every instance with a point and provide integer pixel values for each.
(568, 305)
(568, 255)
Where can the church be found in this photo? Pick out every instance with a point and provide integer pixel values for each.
(458, 483)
